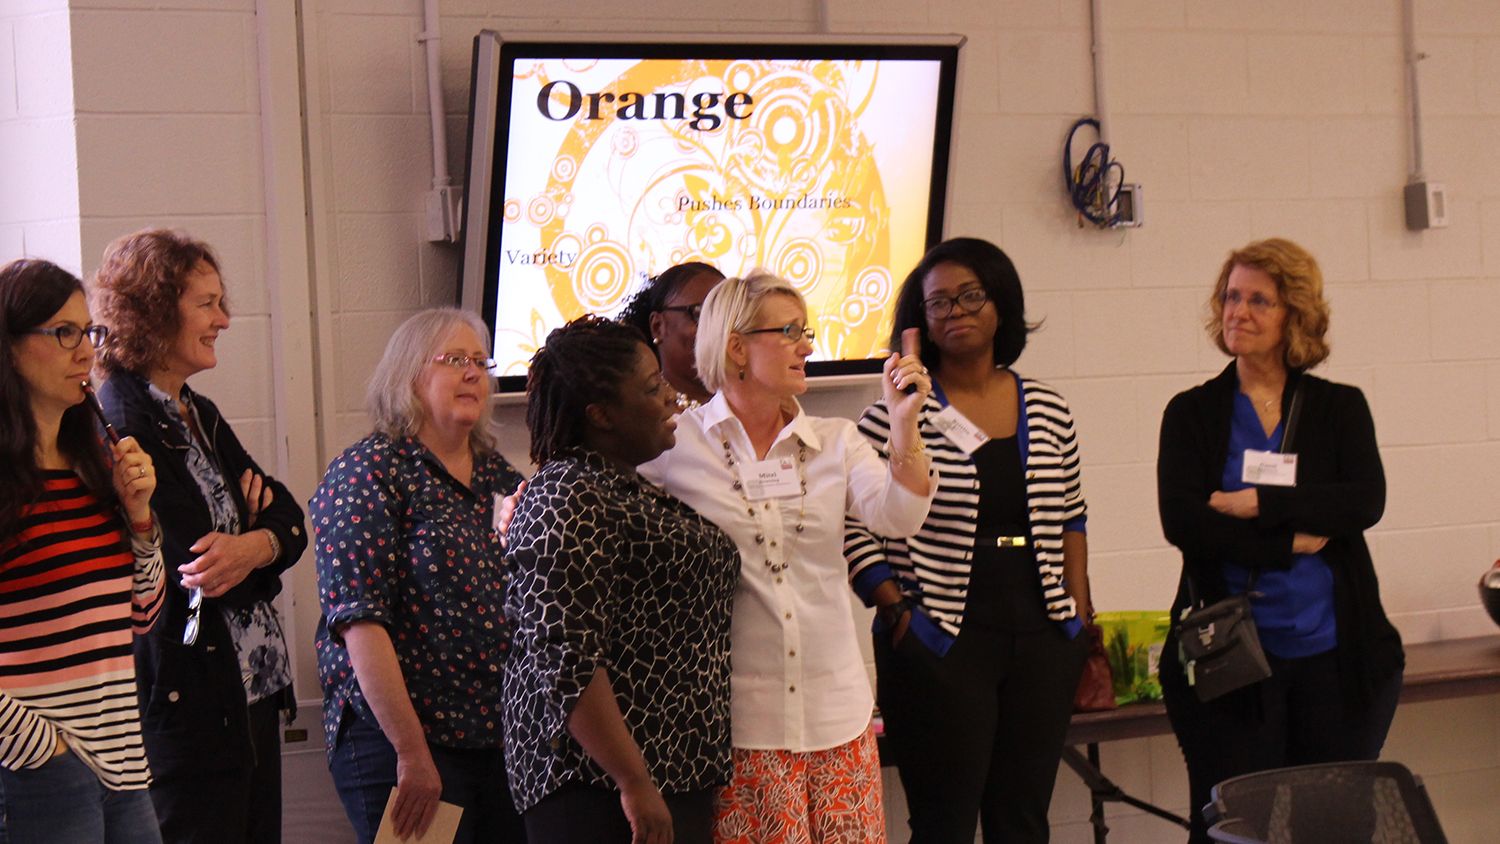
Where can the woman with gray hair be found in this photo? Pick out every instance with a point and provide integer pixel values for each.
(780, 483)
(412, 633)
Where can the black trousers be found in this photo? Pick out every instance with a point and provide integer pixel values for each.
(977, 733)
(226, 806)
(1297, 716)
(584, 814)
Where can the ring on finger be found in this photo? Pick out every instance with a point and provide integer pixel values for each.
(141, 472)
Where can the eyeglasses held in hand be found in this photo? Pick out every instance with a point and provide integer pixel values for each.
(195, 608)
(791, 332)
(69, 335)
(941, 307)
(464, 362)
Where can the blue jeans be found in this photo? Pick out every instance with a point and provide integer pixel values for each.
(363, 764)
(63, 802)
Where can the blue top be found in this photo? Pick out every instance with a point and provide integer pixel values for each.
(1294, 614)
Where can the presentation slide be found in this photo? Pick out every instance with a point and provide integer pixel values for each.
(615, 169)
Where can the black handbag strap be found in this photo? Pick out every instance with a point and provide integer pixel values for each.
(1293, 414)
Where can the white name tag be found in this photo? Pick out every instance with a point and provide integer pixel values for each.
(959, 430)
(774, 478)
(1269, 468)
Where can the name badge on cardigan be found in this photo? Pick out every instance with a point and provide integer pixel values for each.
(959, 430)
(1269, 468)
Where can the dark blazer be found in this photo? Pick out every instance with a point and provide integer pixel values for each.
(1340, 492)
(193, 707)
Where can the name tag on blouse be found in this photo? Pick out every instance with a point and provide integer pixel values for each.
(774, 478)
(1269, 468)
(959, 430)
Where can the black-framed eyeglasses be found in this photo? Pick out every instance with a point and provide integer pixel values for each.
(692, 311)
(464, 362)
(941, 307)
(195, 607)
(791, 332)
(69, 335)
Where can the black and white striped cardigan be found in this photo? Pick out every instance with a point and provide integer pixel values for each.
(932, 567)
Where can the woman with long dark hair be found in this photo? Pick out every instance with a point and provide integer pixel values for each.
(80, 574)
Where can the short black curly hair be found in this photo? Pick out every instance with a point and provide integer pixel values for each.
(582, 363)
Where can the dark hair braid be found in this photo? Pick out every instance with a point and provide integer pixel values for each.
(582, 362)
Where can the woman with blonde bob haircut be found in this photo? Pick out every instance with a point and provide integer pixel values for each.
(413, 628)
(1267, 478)
(780, 482)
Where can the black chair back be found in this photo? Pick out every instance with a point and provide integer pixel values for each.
(1365, 802)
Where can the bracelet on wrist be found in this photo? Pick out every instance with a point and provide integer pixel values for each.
(144, 527)
(906, 455)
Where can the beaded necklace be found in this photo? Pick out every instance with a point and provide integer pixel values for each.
(760, 537)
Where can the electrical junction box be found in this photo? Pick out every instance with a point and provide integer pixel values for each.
(1130, 212)
(1426, 205)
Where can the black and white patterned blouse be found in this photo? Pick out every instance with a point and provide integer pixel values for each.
(609, 572)
(402, 543)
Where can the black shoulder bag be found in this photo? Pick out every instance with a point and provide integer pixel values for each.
(1218, 644)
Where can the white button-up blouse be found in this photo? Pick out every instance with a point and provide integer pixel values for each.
(797, 680)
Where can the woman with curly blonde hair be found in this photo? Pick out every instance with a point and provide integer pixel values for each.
(1267, 478)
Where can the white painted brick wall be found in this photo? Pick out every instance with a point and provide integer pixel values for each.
(38, 151)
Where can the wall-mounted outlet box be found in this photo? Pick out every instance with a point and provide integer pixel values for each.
(1426, 205)
(1130, 210)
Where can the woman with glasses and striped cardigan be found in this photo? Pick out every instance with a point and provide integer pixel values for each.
(977, 643)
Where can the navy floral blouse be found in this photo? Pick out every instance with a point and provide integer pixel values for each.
(610, 572)
(401, 542)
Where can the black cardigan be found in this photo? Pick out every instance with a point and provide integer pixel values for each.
(1340, 493)
(193, 709)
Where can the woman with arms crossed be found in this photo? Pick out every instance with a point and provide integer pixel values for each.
(216, 670)
(1335, 659)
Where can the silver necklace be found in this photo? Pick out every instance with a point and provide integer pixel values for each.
(760, 537)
